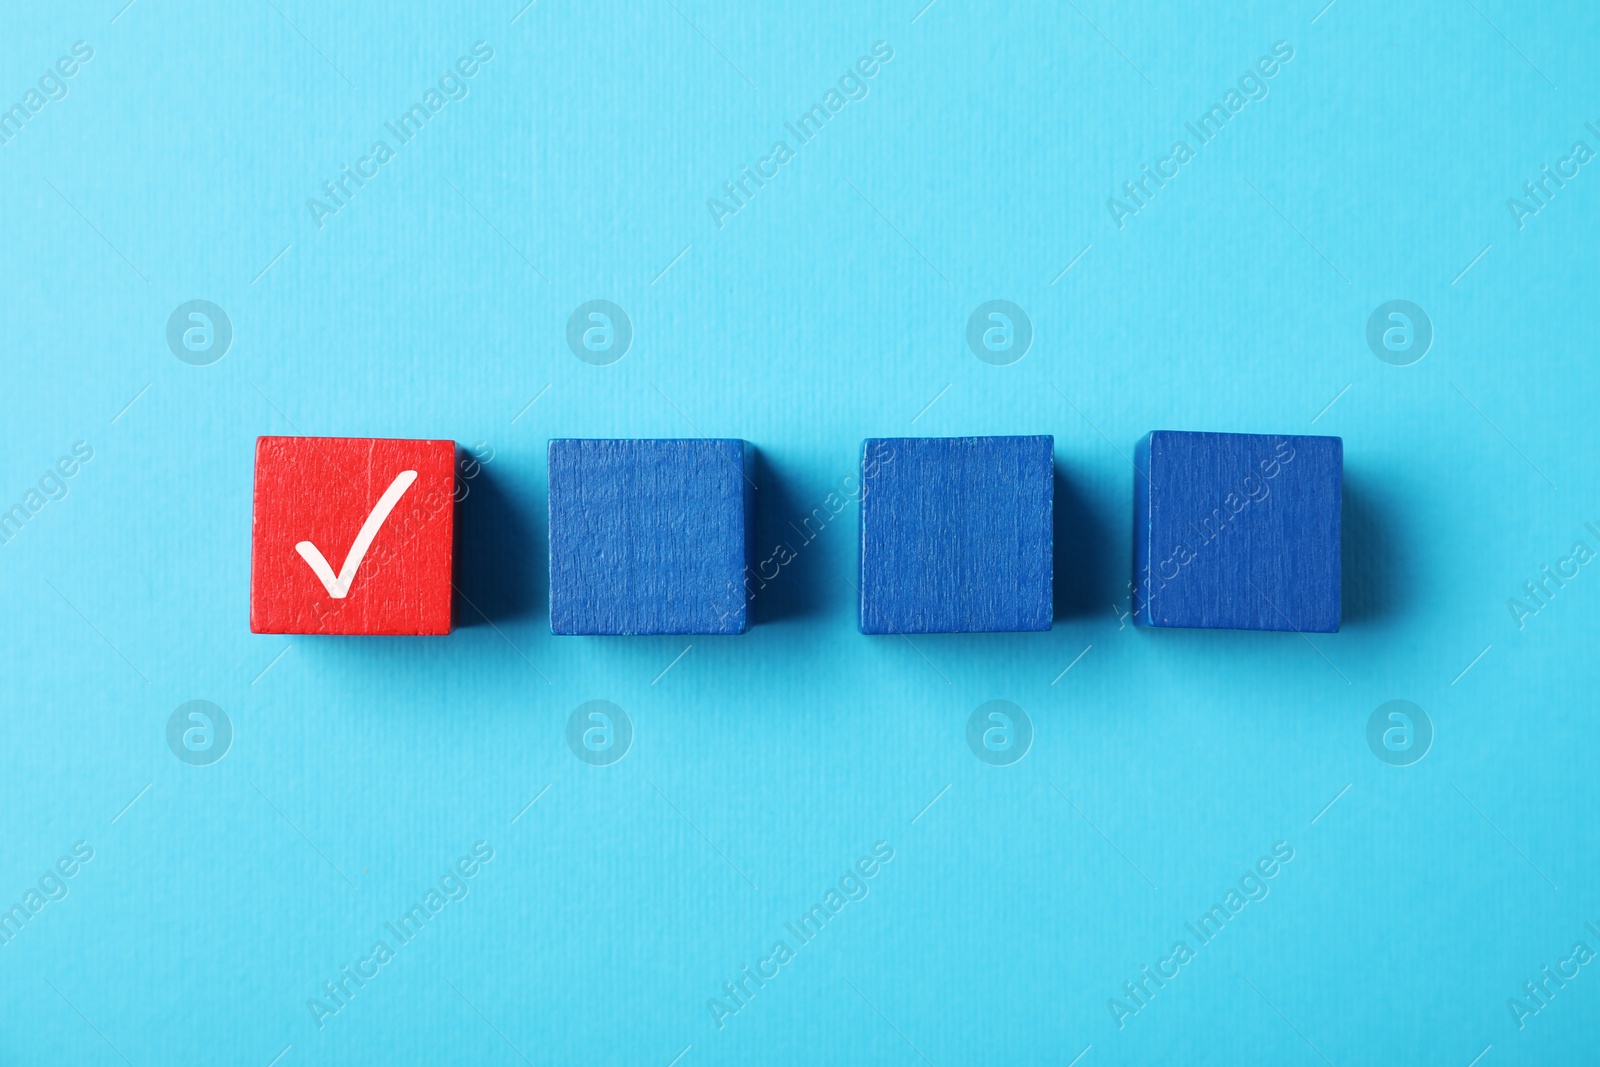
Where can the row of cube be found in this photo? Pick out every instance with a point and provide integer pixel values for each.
(1232, 531)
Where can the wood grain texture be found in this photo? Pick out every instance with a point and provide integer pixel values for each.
(649, 537)
(322, 490)
(1238, 531)
(956, 534)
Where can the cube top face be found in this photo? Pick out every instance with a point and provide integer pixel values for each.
(352, 536)
(649, 537)
(1238, 531)
(956, 534)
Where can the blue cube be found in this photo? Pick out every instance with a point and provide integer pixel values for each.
(649, 537)
(956, 534)
(1238, 531)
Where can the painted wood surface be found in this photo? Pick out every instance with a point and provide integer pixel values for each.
(1238, 531)
(352, 536)
(649, 537)
(956, 534)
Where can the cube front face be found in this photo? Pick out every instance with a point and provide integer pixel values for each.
(1238, 531)
(352, 536)
(956, 534)
(649, 537)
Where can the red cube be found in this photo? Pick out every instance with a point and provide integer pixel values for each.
(352, 536)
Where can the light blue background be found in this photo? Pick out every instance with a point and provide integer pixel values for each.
(831, 309)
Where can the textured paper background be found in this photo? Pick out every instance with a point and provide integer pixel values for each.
(833, 307)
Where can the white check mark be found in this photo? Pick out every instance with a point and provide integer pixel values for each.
(339, 586)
